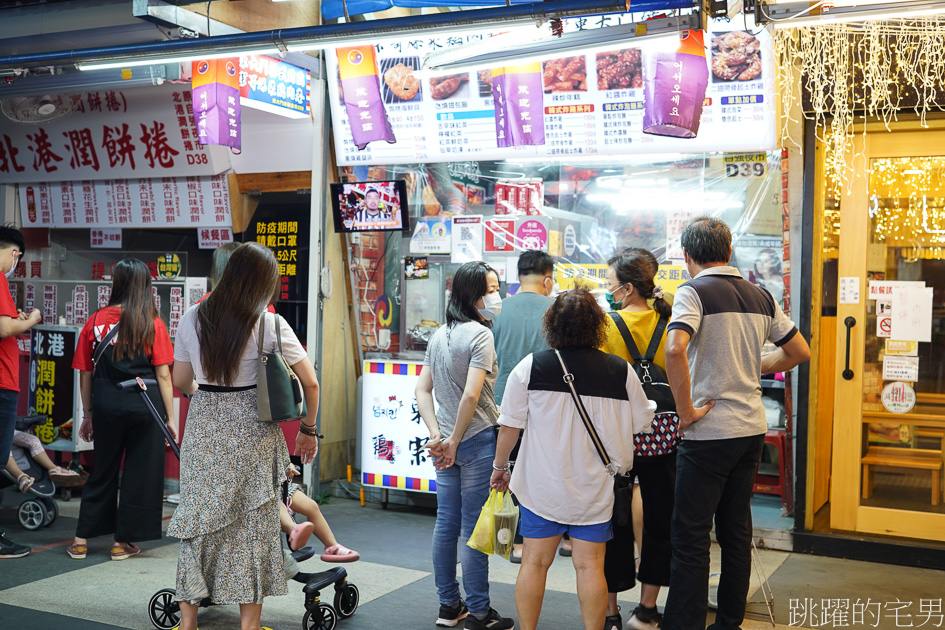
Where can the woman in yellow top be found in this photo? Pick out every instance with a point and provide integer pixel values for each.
(639, 302)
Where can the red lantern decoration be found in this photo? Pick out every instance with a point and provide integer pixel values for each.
(674, 89)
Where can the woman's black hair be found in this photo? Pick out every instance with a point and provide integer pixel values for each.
(638, 267)
(469, 284)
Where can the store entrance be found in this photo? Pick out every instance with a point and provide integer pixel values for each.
(880, 416)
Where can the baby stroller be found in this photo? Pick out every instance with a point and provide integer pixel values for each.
(37, 509)
(164, 612)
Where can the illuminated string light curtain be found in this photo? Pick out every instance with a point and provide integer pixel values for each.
(906, 204)
(853, 72)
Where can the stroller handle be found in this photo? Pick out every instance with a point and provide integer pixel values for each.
(137, 383)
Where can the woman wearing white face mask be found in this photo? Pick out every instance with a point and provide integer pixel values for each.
(460, 365)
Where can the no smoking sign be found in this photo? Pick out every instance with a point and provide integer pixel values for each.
(884, 318)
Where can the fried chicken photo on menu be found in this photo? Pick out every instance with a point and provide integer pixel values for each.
(402, 82)
(445, 86)
(736, 56)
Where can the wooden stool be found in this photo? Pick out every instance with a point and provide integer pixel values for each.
(910, 458)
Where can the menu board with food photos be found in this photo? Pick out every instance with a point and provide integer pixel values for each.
(592, 103)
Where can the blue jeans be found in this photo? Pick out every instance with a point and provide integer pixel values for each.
(461, 491)
(8, 399)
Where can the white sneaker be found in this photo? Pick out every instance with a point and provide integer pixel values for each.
(714, 590)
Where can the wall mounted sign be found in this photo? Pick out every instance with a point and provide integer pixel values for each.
(900, 368)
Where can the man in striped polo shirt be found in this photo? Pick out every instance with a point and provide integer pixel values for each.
(714, 362)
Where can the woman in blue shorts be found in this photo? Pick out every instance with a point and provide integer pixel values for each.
(559, 478)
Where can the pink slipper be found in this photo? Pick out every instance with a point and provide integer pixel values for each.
(339, 553)
(300, 535)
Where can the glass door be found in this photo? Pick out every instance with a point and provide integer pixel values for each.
(889, 398)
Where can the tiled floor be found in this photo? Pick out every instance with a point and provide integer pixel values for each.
(50, 591)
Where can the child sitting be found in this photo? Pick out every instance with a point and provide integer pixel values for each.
(30, 442)
(296, 501)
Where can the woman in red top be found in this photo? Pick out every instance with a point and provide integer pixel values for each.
(120, 420)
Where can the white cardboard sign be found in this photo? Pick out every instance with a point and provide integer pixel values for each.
(900, 368)
(850, 290)
(912, 318)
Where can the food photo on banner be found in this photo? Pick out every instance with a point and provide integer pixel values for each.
(580, 104)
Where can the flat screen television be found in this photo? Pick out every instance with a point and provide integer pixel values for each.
(370, 206)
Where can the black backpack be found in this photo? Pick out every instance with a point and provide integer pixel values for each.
(652, 377)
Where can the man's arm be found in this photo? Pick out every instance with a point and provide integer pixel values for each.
(789, 355)
(677, 369)
(12, 326)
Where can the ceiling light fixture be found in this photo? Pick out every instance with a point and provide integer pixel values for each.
(847, 11)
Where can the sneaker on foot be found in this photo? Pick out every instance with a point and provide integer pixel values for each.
(493, 621)
(613, 622)
(644, 618)
(449, 616)
(10, 549)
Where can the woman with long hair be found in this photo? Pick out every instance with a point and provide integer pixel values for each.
(119, 420)
(232, 465)
(460, 367)
(640, 305)
(559, 478)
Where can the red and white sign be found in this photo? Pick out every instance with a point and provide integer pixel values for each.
(104, 293)
(50, 303)
(139, 203)
(882, 289)
(79, 306)
(177, 309)
(884, 319)
(30, 298)
(111, 134)
(500, 234)
(211, 238)
(105, 238)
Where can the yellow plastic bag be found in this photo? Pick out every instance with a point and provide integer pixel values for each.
(495, 529)
(484, 534)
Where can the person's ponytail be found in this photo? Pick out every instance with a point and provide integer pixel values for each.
(661, 306)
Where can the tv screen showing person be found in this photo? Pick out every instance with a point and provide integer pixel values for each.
(369, 206)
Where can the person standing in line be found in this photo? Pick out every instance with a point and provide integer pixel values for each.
(13, 322)
(460, 367)
(119, 421)
(517, 331)
(560, 477)
(229, 527)
(714, 363)
(630, 288)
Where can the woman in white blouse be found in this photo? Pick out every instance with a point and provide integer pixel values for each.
(559, 479)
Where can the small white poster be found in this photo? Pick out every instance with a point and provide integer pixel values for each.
(850, 290)
(882, 289)
(900, 368)
(912, 319)
(105, 238)
(501, 269)
(884, 319)
(194, 290)
(511, 273)
(467, 239)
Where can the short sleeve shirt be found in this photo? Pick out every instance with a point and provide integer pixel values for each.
(187, 348)
(729, 320)
(451, 352)
(9, 350)
(517, 332)
(103, 321)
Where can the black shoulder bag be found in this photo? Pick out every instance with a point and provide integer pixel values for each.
(623, 484)
(652, 377)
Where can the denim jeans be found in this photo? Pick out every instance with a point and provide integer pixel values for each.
(713, 478)
(461, 491)
(8, 400)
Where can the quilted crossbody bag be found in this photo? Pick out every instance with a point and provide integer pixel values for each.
(664, 439)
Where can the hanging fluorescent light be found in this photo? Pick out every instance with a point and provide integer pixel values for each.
(465, 59)
(131, 63)
(847, 13)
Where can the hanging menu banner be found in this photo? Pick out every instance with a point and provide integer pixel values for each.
(147, 132)
(179, 202)
(593, 104)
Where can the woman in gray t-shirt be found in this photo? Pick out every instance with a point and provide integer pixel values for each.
(460, 368)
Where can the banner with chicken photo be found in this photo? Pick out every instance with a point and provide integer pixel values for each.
(360, 85)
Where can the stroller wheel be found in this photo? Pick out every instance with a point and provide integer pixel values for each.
(52, 511)
(163, 610)
(32, 514)
(324, 618)
(346, 600)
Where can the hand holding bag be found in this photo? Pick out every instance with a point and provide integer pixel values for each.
(623, 484)
(279, 395)
(495, 528)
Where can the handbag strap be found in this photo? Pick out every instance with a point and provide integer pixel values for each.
(631, 344)
(100, 348)
(262, 333)
(582, 411)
